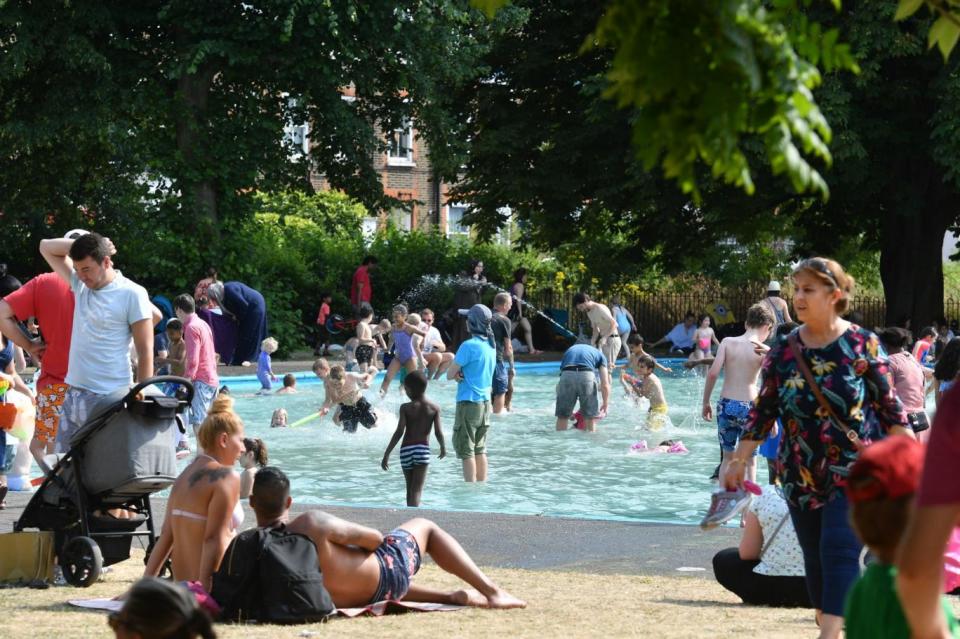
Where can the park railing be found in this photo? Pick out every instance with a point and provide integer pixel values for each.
(656, 313)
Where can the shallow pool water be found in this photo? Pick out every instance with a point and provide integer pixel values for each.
(534, 470)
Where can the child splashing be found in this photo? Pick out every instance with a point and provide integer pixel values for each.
(647, 385)
(252, 459)
(402, 338)
(264, 365)
(344, 389)
(417, 418)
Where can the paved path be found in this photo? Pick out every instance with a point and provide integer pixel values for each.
(538, 543)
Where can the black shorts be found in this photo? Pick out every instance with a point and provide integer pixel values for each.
(364, 354)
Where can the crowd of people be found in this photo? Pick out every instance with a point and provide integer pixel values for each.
(836, 409)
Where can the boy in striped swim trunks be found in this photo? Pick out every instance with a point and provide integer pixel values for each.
(417, 417)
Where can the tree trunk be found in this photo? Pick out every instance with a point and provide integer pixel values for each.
(911, 264)
(194, 90)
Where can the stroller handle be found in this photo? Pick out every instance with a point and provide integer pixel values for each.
(161, 379)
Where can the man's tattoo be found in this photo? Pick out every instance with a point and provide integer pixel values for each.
(213, 474)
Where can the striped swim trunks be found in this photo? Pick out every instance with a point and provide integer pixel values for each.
(414, 455)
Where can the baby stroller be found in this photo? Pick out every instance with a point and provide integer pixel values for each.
(124, 452)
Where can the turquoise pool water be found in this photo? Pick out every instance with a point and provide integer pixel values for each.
(534, 470)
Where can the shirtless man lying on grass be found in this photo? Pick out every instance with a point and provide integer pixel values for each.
(362, 566)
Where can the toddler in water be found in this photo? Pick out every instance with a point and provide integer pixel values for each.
(647, 384)
(404, 353)
(253, 459)
(264, 366)
(881, 489)
(344, 389)
(366, 348)
(279, 418)
(417, 418)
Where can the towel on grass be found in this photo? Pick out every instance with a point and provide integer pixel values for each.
(375, 609)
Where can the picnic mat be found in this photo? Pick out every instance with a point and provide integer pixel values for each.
(375, 610)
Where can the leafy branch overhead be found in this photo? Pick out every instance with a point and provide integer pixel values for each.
(945, 29)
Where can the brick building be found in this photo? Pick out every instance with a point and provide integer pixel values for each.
(407, 175)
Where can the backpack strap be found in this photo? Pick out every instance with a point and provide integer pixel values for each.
(815, 388)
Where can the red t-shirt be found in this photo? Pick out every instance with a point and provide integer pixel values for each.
(360, 276)
(323, 314)
(48, 298)
(939, 485)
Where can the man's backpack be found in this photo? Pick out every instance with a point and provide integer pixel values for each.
(270, 575)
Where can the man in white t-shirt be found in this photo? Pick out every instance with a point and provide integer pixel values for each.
(434, 350)
(109, 312)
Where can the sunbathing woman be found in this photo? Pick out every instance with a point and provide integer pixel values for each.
(203, 509)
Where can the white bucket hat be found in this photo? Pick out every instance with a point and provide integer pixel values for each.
(774, 285)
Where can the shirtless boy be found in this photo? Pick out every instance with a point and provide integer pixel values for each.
(346, 391)
(417, 418)
(361, 566)
(366, 345)
(737, 357)
(635, 344)
(605, 335)
(648, 385)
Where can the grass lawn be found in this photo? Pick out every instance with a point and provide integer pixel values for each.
(567, 604)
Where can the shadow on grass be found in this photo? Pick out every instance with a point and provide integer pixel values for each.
(701, 603)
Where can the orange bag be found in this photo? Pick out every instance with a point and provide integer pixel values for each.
(8, 415)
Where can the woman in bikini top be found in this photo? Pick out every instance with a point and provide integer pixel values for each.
(204, 505)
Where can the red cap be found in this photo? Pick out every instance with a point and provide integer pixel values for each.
(888, 469)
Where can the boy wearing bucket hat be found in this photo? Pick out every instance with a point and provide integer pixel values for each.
(472, 369)
(881, 489)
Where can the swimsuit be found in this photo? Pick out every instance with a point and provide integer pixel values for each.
(399, 559)
(235, 519)
(263, 370)
(414, 455)
(364, 354)
(359, 413)
(704, 343)
(732, 417)
(657, 417)
(403, 346)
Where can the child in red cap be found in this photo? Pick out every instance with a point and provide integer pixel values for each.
(881, 489)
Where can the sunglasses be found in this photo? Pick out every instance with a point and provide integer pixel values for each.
(820, 266)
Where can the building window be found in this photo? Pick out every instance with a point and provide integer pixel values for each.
(400, 219)
(400, 146)
(455, 213)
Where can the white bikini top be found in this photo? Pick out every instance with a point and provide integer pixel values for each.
(235, 519)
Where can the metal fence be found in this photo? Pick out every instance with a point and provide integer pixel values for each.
(656, 313)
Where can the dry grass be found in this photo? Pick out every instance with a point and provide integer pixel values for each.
(560, 604)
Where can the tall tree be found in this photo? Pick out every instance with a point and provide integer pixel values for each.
(123, 106)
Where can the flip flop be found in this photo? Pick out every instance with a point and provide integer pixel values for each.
(724, 506)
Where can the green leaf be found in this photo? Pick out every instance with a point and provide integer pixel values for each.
(489, 7)
(906, 8)
(944, 34)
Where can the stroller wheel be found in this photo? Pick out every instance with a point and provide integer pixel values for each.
(81, 562)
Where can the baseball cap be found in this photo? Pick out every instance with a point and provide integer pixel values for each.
(888, 469)
(774, 285)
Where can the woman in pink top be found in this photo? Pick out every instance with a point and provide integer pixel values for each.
(908, 378)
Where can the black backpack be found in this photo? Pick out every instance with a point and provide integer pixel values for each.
(270, 575)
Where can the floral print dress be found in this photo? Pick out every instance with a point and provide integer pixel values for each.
(815, 455)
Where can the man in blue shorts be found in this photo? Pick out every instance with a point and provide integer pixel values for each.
(582, 368)
(361, 566)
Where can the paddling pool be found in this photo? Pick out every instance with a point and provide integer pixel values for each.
(534, 470)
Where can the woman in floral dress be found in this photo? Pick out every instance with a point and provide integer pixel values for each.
(850, 369)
